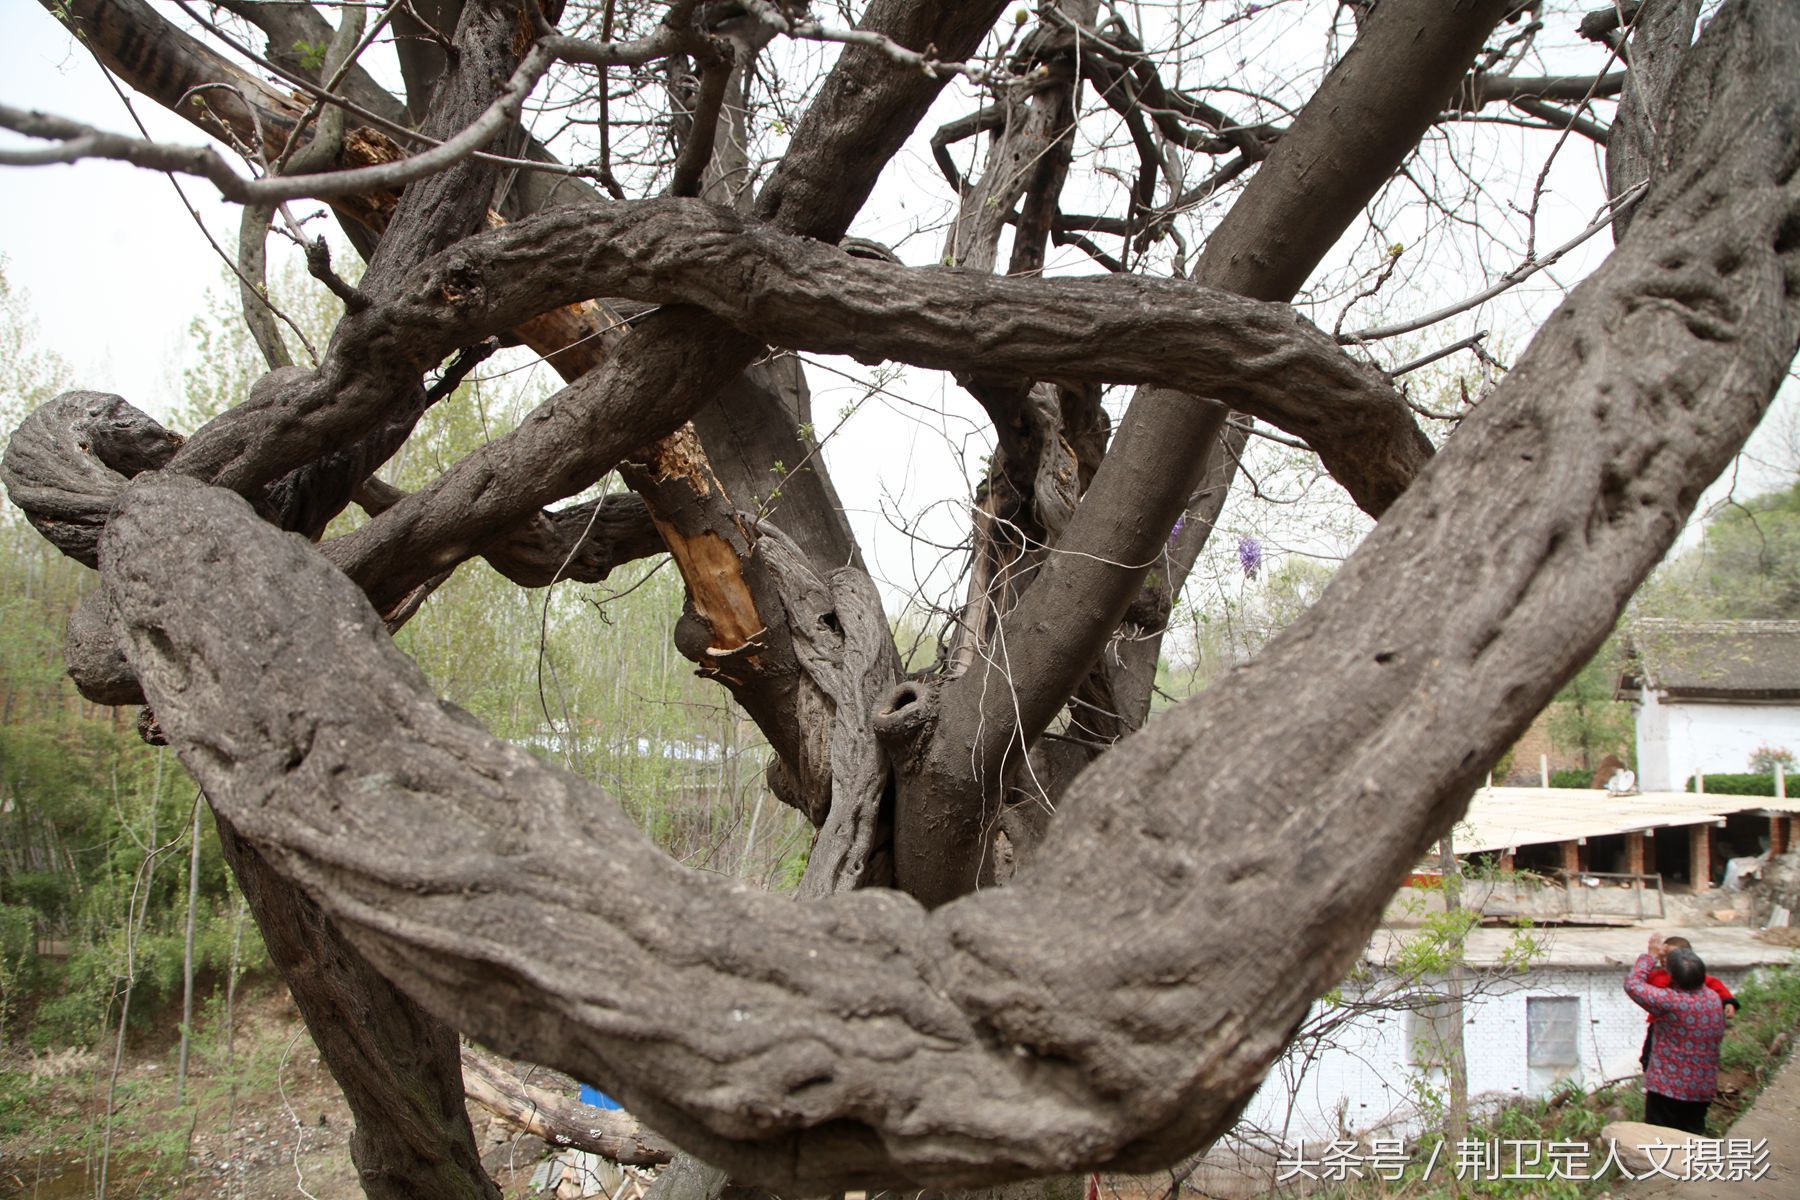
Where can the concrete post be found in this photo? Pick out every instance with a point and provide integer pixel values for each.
(1634, 853)
(1571, 859)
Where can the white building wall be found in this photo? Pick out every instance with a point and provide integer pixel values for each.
(1675, 739)
(1363, 1078)
(1653, 768)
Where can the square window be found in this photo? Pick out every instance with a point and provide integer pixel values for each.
(1552, 1024)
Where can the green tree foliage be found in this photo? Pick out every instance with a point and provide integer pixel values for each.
(1586, 721)
(28, 375)
(94, 824)
(1746, 567)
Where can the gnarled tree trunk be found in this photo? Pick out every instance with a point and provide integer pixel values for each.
(1117, 1003)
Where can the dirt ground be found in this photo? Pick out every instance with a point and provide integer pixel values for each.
(273, 1127)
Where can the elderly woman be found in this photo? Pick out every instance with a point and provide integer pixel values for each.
(1682, 1075)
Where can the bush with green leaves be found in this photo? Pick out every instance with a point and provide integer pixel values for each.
(1737, 785)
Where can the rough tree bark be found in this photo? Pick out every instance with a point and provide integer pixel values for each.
(1087, 1014)
(1660, 33)
(1119, 1001)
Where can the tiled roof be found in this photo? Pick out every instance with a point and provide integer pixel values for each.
(1749, 660)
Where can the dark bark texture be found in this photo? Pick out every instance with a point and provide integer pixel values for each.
(1178, 899)
(1087, 1014)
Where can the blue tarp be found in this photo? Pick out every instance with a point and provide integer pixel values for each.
(593, 1097)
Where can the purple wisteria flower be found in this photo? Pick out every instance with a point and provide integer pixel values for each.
(1180, 524)
(1250, 555)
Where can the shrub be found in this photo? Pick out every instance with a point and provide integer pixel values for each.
(1738, 785)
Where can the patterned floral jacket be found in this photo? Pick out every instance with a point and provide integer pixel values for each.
(1684, 1058)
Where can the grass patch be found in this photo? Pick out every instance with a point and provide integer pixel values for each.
(1759, 1040)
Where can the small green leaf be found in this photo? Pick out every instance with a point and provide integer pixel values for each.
(312, 54)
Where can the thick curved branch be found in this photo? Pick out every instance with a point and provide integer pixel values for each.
(583, 543)
(1256, 356)
(66, 464)
(1120, 1001)
(576, 543)
(637, 396)
(858, 121)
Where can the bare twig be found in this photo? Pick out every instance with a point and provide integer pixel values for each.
(1506, 282)
(1473, 339)
(78, 141)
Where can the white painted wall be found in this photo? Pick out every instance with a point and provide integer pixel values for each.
(1363, 1079)
(1676, 739)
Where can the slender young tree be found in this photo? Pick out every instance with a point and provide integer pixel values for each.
(1178, 894)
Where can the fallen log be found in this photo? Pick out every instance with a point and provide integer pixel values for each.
(559, 1120)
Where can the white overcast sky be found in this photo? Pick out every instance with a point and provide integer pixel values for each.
(114, 265)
